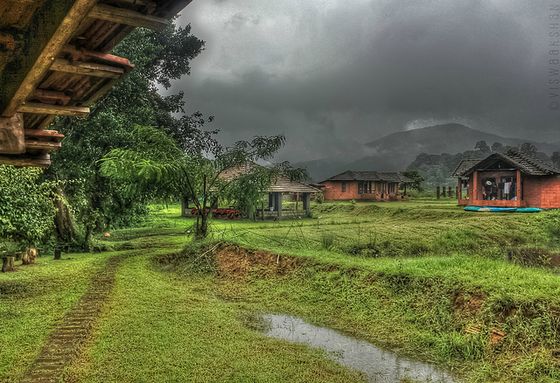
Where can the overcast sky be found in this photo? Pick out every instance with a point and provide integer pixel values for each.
(333, 74)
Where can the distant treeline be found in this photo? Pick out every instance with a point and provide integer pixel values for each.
(436, 169)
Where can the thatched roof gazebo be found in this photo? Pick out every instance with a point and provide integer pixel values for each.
(281, 185)
(55, 61)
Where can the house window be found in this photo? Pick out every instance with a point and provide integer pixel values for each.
(343, 187)
(362, 187)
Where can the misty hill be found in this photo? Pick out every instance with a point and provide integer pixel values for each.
(396, 151)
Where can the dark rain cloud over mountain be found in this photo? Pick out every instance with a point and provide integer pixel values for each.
(333, 74)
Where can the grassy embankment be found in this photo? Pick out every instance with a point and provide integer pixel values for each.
(416, 277)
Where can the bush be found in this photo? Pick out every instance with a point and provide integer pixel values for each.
(327, 240)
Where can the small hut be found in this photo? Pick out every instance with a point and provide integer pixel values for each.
(366, 186)
(283, 185)
(512, 179)
(280, 187)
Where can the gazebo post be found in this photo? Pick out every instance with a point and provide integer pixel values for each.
(271, 203)
(306, 203)
(278, 200)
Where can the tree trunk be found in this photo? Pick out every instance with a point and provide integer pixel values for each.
(185, 207)
(8, 263)
(57, 253)
(202, 226)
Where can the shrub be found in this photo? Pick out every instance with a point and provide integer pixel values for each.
(327, 240)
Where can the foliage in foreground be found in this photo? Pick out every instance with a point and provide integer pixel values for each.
(155, 164)
(26, 208)
(100, 202)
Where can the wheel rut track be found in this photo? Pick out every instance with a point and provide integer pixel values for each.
(68, 339)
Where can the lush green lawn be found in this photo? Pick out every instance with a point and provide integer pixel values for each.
(166, 329)
(32, 302)
(412, 276)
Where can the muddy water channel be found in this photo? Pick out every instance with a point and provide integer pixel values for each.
(379, 366)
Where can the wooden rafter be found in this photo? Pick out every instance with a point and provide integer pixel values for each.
(43, 133)
(48, 146)
(38, 108)
(42, 160)
(54, 26)
(87, 69)
(127, 17)
(51, 96)
(78, 54)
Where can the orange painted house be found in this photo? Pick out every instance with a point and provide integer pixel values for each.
(508, 180)
(365, 185)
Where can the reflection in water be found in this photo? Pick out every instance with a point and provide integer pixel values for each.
(380, 366)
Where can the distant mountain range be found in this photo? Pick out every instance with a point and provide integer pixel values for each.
(396, 151)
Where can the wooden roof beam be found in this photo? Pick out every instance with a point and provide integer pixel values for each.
(51, 96)
(128, 17)
(42, 160)
(78, 54)
(47, 146)
(38, 108)
(87, 69)
(52, 27)
(52, 135)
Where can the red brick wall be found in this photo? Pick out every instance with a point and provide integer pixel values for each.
(333, 192)
(543, 192)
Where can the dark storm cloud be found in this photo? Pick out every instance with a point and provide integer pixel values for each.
(332, 74)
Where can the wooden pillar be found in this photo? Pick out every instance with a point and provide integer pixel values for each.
(278, 199)
(474, 191)
(307, 203)
(518, 186)
(271, 203)
(459, 189)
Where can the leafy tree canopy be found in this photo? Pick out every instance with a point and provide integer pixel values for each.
(26, 209)
(159, 58)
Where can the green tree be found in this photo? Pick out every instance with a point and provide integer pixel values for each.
(158, 58)
(158, 166)
(528, 148)
(416, 178)
(26, 209)
(482, 146)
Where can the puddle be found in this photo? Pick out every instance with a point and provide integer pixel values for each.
(378, 365)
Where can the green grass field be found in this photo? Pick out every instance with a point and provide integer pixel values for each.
(415, 277)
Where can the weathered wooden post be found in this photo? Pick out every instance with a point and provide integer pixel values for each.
(57, 252)
(449, 194)
(271, 203)
(279, 204)
(307, 203)
(8, 263)
(438, 192)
